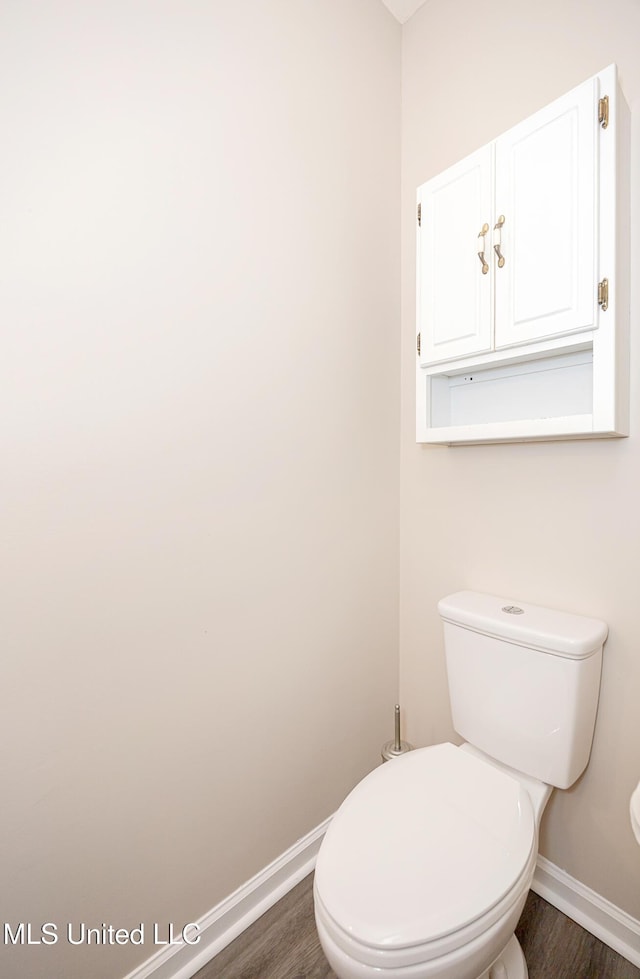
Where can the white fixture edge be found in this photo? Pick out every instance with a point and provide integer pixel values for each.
(219, 926)
(596, 914)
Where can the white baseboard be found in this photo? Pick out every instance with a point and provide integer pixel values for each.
(231, 917)
(610, 924)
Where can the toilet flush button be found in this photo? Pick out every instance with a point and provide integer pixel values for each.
(513, 609)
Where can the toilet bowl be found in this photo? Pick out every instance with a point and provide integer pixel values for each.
(425, 869)
(426, 866)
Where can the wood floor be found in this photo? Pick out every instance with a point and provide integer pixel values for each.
(283, 944)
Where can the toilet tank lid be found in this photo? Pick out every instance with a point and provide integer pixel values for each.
(562, 633)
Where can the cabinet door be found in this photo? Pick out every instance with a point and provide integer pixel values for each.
(546, 190)
(454, 296)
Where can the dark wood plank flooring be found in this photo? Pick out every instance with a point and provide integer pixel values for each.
(283, 944)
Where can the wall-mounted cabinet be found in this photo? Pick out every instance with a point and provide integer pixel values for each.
(522, 272)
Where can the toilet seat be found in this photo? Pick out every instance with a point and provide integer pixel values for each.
(425, 854)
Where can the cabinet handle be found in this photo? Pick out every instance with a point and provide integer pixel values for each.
(498, 245)
(481, 235)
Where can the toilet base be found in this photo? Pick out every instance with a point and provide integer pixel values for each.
(510, 964)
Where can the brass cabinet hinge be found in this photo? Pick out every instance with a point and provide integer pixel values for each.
(603, 111)
(418, 344)
(603, 295)
(419, 215)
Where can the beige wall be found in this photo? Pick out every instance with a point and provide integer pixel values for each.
(555, 523)
(199, 269)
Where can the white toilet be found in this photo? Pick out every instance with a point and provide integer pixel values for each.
(425, 868)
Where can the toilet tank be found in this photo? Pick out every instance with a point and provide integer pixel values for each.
(523, 682)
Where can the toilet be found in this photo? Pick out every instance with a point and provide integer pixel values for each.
(426, 866)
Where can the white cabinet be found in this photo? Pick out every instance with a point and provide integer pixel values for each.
(518, 245)
(546, 187)
(456, 296)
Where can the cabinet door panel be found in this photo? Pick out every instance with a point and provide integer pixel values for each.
(546, 172)
(454, 299)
